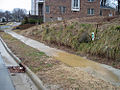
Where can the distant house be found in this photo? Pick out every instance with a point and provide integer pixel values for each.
(67, 9)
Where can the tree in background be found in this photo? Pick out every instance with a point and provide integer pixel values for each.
(7, 15)
(16, 15)
(1, 14)
(19, 14)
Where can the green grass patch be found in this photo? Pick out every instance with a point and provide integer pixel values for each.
(36, 54)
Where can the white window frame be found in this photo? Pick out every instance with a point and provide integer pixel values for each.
(91, 11)
(62, 9)
(73, 7)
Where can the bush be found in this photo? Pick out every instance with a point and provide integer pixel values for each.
(118, 28)
(84, 38)
(32, 20)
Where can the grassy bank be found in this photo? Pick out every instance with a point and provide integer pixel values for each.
(77, 36)
(33, 58)
(54, 74)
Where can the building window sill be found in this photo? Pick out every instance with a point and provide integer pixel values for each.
(76, 10)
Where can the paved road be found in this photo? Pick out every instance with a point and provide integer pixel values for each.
(5, 80)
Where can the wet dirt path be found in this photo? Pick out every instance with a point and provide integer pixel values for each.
(101, 71)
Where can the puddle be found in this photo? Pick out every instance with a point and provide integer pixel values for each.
(93, 68)
(4, 27)
(9, 25)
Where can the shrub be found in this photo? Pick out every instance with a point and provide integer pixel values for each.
(28, 20)
(118, 28)
(84, 38)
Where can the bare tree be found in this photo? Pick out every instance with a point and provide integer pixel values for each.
(7, 15)
(1, 14)
(19, 14)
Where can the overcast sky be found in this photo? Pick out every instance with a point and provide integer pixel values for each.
(10, 4)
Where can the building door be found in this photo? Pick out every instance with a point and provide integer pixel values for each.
(40, 9)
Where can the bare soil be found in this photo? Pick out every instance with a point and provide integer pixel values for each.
(25, 26)
(54, 74)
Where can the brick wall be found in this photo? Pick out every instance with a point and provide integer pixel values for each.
(84, 5)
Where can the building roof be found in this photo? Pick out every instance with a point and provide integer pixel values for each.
(106, 7)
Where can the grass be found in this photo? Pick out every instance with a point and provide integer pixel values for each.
(39, 54)
(71, 80)
(106, 43)
(33, 58)
(36, 69)
(5, 36)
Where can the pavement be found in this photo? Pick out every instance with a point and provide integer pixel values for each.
(5, 80)
(8, 60)
(12, 81)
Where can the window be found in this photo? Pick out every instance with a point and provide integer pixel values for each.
(47, 9)
(90, 0)
(62, 9)
(101, 12)
(90, 11)
(75, 5)
(110, 15)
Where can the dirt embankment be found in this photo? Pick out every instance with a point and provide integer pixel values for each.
(75, 37)
(54, 74)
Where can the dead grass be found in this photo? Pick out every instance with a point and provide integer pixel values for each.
(53, 73)
(68, 34)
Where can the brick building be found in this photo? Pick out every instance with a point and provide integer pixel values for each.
(67, 9)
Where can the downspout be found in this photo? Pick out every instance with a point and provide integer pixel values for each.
(44, 12)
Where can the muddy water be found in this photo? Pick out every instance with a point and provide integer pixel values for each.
(89, 66)
(106, 73)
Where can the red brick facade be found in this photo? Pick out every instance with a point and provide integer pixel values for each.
(69, 14)
(85, 6)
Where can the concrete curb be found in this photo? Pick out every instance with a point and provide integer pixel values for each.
(32, 75)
